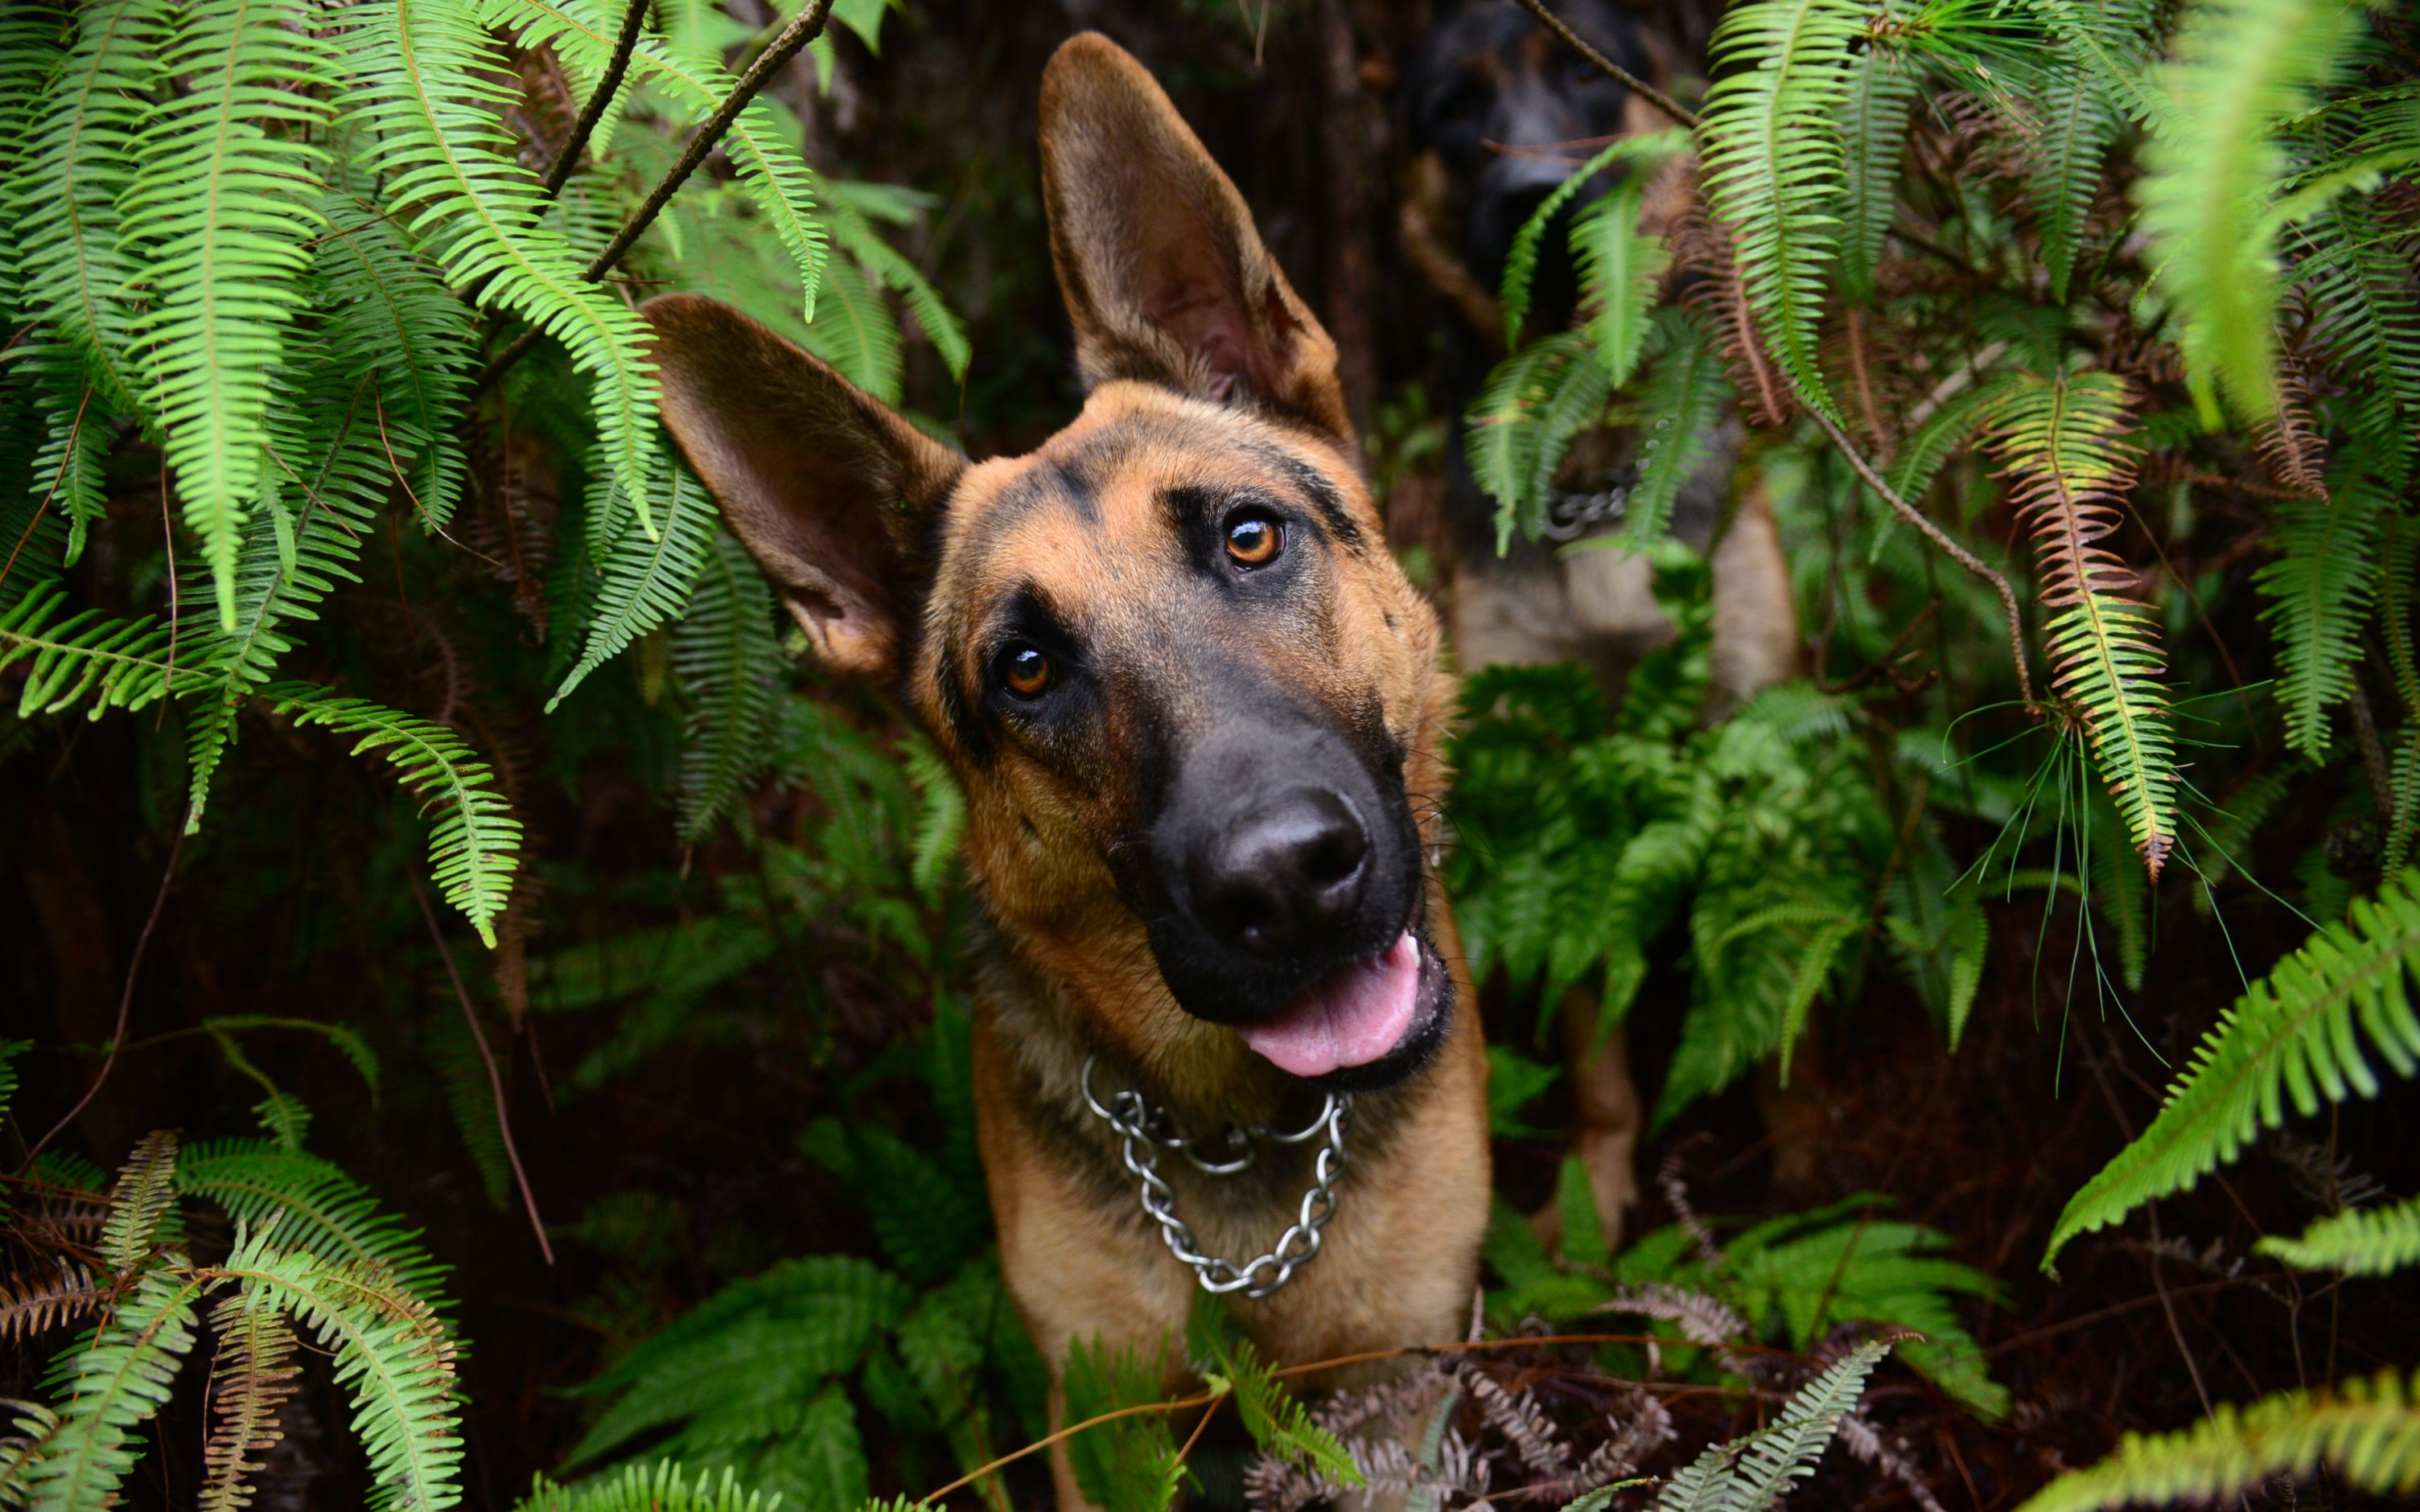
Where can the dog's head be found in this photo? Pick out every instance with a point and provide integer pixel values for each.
(1192, 701)
(1502, 109)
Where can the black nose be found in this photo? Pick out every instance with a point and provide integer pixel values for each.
(1273, 881)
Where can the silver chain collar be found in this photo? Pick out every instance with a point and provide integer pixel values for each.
(1572, 515)
(1144, 1131)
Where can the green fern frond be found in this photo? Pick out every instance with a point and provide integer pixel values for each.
(2369, 319)
(2297, 1034)
(2063, 439)
(742, 1363)
(1751, 1473)
(1537, 400)
(1681, 405)
(250, 1382)
(68, 469)
(1129, 1465)
(65, 198)
(9, 1051)
(84, 657)
(1273, 1416)
(647, 577)
(1875, 126)
(216, 218)
(853, 229)
(388, 316)
(854, 331)
(2368, 1433)
(2077, 125)
(1775, 168)
(2375, 1242)
(112, 1385)
(662, 1486)
(428, 80)
(2319, 590)
(139, 1202)
(1620, 269)
(474, 845)
(315, 1207)
(940, 817)
(1521, 257)
(392, 1353)
(27, 1430)
(727, 661)
(2212, 171)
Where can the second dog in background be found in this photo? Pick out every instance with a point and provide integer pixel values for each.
(1498, 112)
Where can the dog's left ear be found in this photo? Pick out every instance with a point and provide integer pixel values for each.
(1165, 278)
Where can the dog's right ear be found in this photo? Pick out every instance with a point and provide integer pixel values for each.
(827, 488)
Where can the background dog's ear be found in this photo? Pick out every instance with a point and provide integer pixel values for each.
(825, 486)
(1165, 278)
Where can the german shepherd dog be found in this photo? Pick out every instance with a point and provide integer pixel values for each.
(1197, 712)
(1498, 112)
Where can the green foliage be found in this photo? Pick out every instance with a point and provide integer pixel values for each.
(662, 1486)
(1775, 164)
(2214, 168)
(1586, 839)
(2367, 1434)
(2322, 591)
(1129, 1463)
(2295, 1037)
(2373, 1241)
(1273, 1416)
(475, 842)
(1751, 1472)
(313, 1262)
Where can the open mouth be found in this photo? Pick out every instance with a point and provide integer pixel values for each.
(1356, 1014)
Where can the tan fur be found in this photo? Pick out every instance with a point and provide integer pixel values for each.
(1206, 370)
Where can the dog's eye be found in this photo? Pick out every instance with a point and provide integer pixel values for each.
(1580, 69)
(1024, 671)
(1253, 539)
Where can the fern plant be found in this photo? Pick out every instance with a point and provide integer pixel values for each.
(311, 1255)
(2303, 1035)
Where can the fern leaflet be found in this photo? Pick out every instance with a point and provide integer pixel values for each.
(474, 845)
(2367, 1432)
(2294, 1035)
(2373, 1242)
(1773, 164)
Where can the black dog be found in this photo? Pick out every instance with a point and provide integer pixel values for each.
(1498, 111)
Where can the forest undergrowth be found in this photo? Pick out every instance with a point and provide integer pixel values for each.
(488, 1019)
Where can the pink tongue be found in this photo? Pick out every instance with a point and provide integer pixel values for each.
(1349, 1017)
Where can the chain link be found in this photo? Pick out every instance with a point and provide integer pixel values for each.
(1144, 1131)
(1572, 515)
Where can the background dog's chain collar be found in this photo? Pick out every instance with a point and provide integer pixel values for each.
(1572, 515)
(1144, 1131)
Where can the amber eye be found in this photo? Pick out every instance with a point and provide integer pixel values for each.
(1253, 539)
(1025, 670)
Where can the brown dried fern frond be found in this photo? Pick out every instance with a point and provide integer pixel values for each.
(2289, 443)
(37, 1304)
(146, 1189)
(1701, 251)
(2070, 462)
(250, 1382)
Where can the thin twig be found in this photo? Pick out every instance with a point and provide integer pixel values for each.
(1948, 548)
(593, 111)
(804, 29)
(125, 999)
(1630, 81)
(495, 1078)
